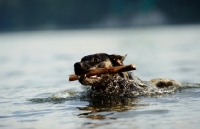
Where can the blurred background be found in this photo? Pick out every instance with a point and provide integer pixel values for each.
(44, 38)
(72, 14)
(40, 40)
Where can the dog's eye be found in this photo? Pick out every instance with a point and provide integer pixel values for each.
(96, 60)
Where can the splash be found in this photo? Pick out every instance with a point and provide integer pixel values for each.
(111, 98)
(118, 87)
(57, 97)
(187, 85)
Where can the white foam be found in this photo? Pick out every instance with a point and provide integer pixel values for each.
(61, 95)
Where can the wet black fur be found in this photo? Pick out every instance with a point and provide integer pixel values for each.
(121, 84)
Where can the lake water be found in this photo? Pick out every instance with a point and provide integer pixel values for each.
(35, 66)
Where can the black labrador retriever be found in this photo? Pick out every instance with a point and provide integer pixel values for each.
(120, 84)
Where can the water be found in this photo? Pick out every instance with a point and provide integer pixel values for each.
(35, 92)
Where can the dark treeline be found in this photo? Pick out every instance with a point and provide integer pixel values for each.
(62, 14)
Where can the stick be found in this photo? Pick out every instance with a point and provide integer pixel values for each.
(106, 70)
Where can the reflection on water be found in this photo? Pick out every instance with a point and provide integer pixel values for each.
(110, 105)
(36, 93)
(96, 107)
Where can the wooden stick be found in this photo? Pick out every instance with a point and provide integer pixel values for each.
(106, 70)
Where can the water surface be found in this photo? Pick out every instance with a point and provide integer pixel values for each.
(36, 66)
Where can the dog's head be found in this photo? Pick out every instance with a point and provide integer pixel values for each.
(99, 60)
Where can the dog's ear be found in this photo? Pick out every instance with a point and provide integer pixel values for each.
(117, 60)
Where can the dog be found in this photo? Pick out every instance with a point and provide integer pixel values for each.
(119, 84)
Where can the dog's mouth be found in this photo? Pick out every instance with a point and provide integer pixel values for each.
(95, 77)
(91, 80)
(81, 68)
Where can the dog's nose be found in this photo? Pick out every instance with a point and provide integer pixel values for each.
(79, 68)
(78, 65)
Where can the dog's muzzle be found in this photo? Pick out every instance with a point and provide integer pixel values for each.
(81, 67)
